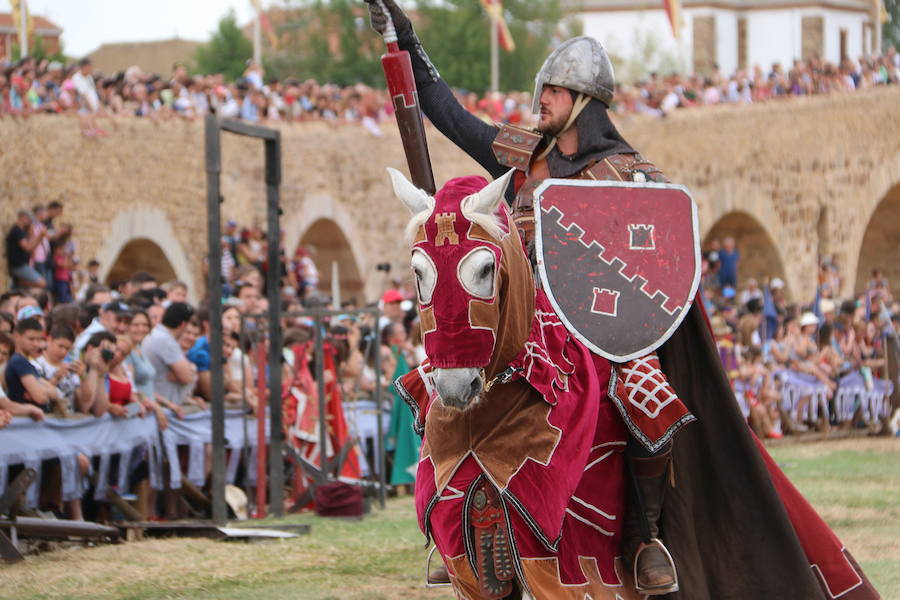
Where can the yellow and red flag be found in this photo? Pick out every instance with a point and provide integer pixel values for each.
(883, 15)
(494, 9)
(673, 11)
(17, 7)
(265, 23)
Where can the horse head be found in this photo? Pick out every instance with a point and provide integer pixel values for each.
(473, 280)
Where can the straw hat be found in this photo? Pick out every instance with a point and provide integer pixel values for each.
(808, 318)
(720, 326)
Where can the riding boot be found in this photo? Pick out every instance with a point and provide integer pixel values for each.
(439, 576)
(654, 569)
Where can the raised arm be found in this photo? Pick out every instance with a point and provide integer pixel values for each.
(471, 134)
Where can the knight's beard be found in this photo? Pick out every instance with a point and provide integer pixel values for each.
(553, 127)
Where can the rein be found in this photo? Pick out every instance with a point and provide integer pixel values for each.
(500, 378)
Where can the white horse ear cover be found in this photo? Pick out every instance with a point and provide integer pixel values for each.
(489, 198)
(416, 200)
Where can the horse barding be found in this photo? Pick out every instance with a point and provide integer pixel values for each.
(520, 482)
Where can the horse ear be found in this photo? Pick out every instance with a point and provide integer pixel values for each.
(416, 200)
(489, 197)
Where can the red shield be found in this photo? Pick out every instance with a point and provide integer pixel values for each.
(620, 261)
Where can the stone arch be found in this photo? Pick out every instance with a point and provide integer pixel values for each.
(141, 254)
(760, 258)
(144, 236)
(880, 246)
(328, 245)
(323, 223)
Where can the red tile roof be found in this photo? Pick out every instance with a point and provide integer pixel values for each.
(40, 22)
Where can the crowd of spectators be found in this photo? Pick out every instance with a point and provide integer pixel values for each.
(813, 365)
(29, 86)
(660, 95)
(72, 347)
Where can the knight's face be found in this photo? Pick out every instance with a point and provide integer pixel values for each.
(556, 106)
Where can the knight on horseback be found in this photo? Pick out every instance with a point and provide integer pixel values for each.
(577, 140)
(530, 431)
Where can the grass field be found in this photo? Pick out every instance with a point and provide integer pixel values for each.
(855, 484)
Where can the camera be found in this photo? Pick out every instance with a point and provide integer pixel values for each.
(106, 354)
(386, 267)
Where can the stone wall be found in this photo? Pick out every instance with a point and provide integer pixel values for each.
(803, 176)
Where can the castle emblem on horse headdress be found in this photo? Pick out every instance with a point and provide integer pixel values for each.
(620, 261)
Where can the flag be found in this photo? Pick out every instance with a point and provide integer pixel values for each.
(673, 11)
(494, 9)
(883, 16)
(265, 23)
(17, 7)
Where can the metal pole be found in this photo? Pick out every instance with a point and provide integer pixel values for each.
(382, 484)
(23, 38)
(273, 293)
(257, 37)
(214, 288)
(260, 358)
(320, 390)
(495, 48)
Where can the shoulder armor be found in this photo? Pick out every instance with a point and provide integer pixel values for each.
(514, 146)
(624, 167)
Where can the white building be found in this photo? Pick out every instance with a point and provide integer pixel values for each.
(735, 34)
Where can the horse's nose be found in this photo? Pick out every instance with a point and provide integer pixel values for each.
(458, 388)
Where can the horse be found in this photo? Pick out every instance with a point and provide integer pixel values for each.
(520, 481)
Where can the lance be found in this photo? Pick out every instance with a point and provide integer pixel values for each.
(402, 87)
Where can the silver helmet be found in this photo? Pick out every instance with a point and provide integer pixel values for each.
(580, 64)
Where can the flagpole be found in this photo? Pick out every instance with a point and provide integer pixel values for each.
(23, 32)
(495, 49)
(257, 35)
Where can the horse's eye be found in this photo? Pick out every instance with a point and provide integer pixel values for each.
(426, 276)
(476, 273)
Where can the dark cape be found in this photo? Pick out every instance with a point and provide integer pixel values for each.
(736, 527)
(734, 524)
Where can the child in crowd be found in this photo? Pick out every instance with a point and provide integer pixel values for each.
(29, 394)
(62, 373)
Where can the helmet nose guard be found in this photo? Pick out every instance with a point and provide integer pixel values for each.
(580, 64)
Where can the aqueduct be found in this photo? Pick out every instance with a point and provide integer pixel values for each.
(791, 181)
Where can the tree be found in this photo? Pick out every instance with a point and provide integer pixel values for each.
(226, 52)
(456, 34)
(38, 51)
(330, 41)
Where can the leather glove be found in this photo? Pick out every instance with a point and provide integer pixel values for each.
(402, 24)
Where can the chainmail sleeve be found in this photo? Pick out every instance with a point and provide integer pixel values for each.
(464, 129)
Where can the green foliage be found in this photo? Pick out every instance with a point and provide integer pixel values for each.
(456, 34)
(890, 31)
(330, 41)
(227, 50)
(38, 51)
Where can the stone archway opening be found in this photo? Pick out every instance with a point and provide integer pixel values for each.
(327, 244)
(759, 256)
(880, 248)
(141, 254)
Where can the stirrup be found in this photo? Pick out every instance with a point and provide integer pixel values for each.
(428, 583)
(657, 591)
